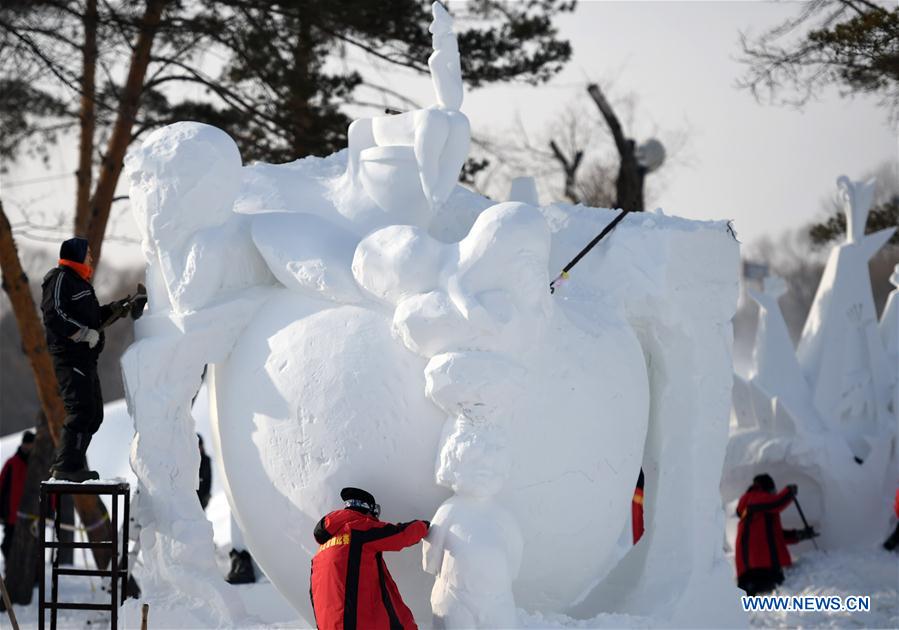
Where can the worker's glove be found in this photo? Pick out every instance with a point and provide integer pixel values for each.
(793, 488)
(138, 302)
(92, 338)
(86, 335)
(808, 533)
(119, 308)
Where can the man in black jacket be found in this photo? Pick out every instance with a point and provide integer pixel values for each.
(74, 322)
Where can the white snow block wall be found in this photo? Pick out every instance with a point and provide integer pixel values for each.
(676, 282)
(370, 323)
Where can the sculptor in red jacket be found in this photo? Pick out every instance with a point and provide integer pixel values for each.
(350, 585)
(761, 547)
(12, 484)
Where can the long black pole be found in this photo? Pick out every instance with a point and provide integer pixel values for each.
(802, 516)
(590, 245)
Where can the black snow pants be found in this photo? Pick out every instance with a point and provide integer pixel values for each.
(79, 387)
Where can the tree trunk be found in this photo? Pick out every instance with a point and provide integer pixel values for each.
(90, 509)
(87, 117)
(570, 170)
(31, 330)
(111, 166)
(629, 186)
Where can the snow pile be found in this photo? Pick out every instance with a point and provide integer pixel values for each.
(825, 416)
(369, 323)
(841, 573)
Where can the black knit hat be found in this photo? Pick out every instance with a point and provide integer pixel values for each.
(360, 499)
(765, 482)
(74, 249)
(28, 437)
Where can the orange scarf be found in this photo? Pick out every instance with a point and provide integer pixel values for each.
(81, 269)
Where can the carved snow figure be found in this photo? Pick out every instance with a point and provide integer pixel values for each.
(203, 273)
(821, 416)
(474, 546)
(435, 141)
(361, 322)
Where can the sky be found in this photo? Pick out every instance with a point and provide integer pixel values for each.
(767, 168)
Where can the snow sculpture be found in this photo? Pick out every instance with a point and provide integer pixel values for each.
(202, 272)
(435, 140)
(889, 332)
(386, 324)
(474, 546)
(524, 189)
(821, 416)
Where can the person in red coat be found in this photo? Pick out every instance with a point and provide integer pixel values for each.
(350, 585)
(12, 485)
(761, 549)
(892, 543)
(637, 510)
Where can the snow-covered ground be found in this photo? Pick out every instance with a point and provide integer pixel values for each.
(874, 573)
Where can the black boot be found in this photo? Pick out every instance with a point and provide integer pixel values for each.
(242, 571)
(70, 463)
(75, 476)
(892, 543)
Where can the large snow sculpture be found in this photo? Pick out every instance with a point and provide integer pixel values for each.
(822, 417)
(387, 324)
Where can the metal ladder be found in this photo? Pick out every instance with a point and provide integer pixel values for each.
(118, 562)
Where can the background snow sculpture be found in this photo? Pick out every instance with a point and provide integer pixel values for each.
(889, 332)
(822, 417)
(407, 322)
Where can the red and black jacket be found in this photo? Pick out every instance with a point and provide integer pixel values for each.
(12, 484)
(761, 539)
(350, 585)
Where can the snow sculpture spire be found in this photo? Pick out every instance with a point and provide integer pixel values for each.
(445, 63)
(856, 198)
(409, 163)
(777, 372)
(846, 369)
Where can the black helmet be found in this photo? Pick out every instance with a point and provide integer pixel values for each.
(360, 500)
(765, 482)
